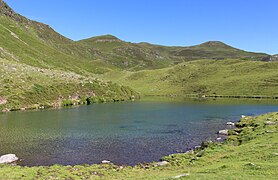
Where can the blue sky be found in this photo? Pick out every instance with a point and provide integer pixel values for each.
(246, 24)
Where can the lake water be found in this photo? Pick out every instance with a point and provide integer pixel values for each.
(124, 133)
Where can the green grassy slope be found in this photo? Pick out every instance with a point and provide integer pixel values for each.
(204, 77)
(251, 152)
(28, 87)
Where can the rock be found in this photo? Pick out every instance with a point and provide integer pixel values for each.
(270, 123)
(6, 110)
(219, 139)
(201, 153)
(224, 132)
(242, 116)
(197, 147)
(8, 158)
(181, 175)
(106, 162)
(163, 163)
(230, 123)
(251, 164)
(3, 101)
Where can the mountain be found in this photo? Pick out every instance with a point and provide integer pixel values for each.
(40, 67)
(109, 50)
(36, 72)
(141, 56)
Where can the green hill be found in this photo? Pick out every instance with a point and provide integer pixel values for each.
(35, 73)
(231, 77)
(132, 56)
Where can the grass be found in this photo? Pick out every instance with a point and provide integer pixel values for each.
(204, 77)
(28, 87)
(250, 154)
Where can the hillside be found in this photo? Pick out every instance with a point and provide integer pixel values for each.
(204, 77)
(36, 74)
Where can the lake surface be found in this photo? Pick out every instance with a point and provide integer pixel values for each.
(124, 133)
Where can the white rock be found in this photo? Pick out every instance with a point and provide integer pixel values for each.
(242, 116)
(224, 132)
(163, 163)
(270, 123)
(8, 158)
(218, 139)
(105, 162)
(230, 123)
(181, 175)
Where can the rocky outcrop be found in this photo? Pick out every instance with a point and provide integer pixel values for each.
(271, 58)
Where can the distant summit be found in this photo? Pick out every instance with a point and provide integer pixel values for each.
(104, 38)
(216, 44)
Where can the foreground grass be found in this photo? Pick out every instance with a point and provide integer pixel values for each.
(250, 152)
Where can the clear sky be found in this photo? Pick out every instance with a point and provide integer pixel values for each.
(246, 24)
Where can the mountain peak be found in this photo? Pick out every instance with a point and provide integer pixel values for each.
(103, 38)
(215, 44)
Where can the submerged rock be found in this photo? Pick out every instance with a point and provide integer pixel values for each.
(224, 132)
(8, 158)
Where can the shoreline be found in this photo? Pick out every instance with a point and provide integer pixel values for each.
(189, 96)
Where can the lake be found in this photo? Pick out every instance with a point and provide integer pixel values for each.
(124, 133)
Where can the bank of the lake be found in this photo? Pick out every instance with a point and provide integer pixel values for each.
(250, 152)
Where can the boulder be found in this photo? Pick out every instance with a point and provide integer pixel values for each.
(224, 132)
(8, 158)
